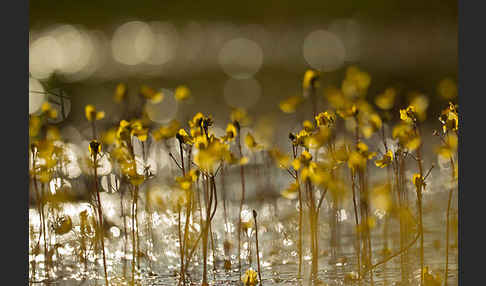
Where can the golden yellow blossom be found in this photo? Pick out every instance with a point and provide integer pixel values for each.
(311, 78)
(168, 131)
(449, 148)
(291, 192)
(250, 278)
(386, 100)
(282, 160)
(418, 181)
(251, 143)
(385, 160)
(290, 104)
(447, 89)
(120, 92)
(326, 118)
(449, 118)
(182, 93)
(47, 109)
(240, 115)
(150, 94)
(91, 113)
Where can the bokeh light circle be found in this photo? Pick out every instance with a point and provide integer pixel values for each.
(323, 51)
(241, 58)
(132, 43)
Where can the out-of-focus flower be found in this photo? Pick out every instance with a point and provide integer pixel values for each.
(406, 136)
(183, 137)
(250, 278)
(185, 182)
(120, 92)
(151, 95)
(91, 113)
(47, 109)
(231, 133)
(449, 148)
(386, 100)
(326, 118)
(282, 160)
(418, 181)
(447, 89)
(310, 81)
(182, 93)
(167, 131)
(126, 129)
(290, 104)
(251, 143)
(385, 160)
(291, 192)
(408, 115)
(420, 102)
(449, 118)
(240, 115)
(355, 83)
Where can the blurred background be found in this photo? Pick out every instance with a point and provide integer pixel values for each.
(248, 54)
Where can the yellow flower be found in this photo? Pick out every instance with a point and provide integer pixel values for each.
(381, 197)
(363, 150)
(239, 115)
(420, 102)
(308, 126)
(48, 110)
(251, 143)
(355, 83)
(418, 181)
(326, 118)
(386, 100)
(207, 157)
(186, 181)
(136, 179)
(182, 93)
(150, 94)
(316, 173)
(250, 278)
(409, 114)
(449, 118)
(291, 192)
(35, 124)
(282, 160)
(131, 128)
(53, 133)
(94, 148)
(168, 131)
(183, 137)
(138, 130)
(120, 92)
(406, 136)
(317, 139)
(311, 78)
(447, 89)
(449, 148)
(304, 159)
(91, 113)
(231, 132)
(349, 111)
(290, 104)
(385, 160)
(373, 123)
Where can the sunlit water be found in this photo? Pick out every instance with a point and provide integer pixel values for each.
(278, 237)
